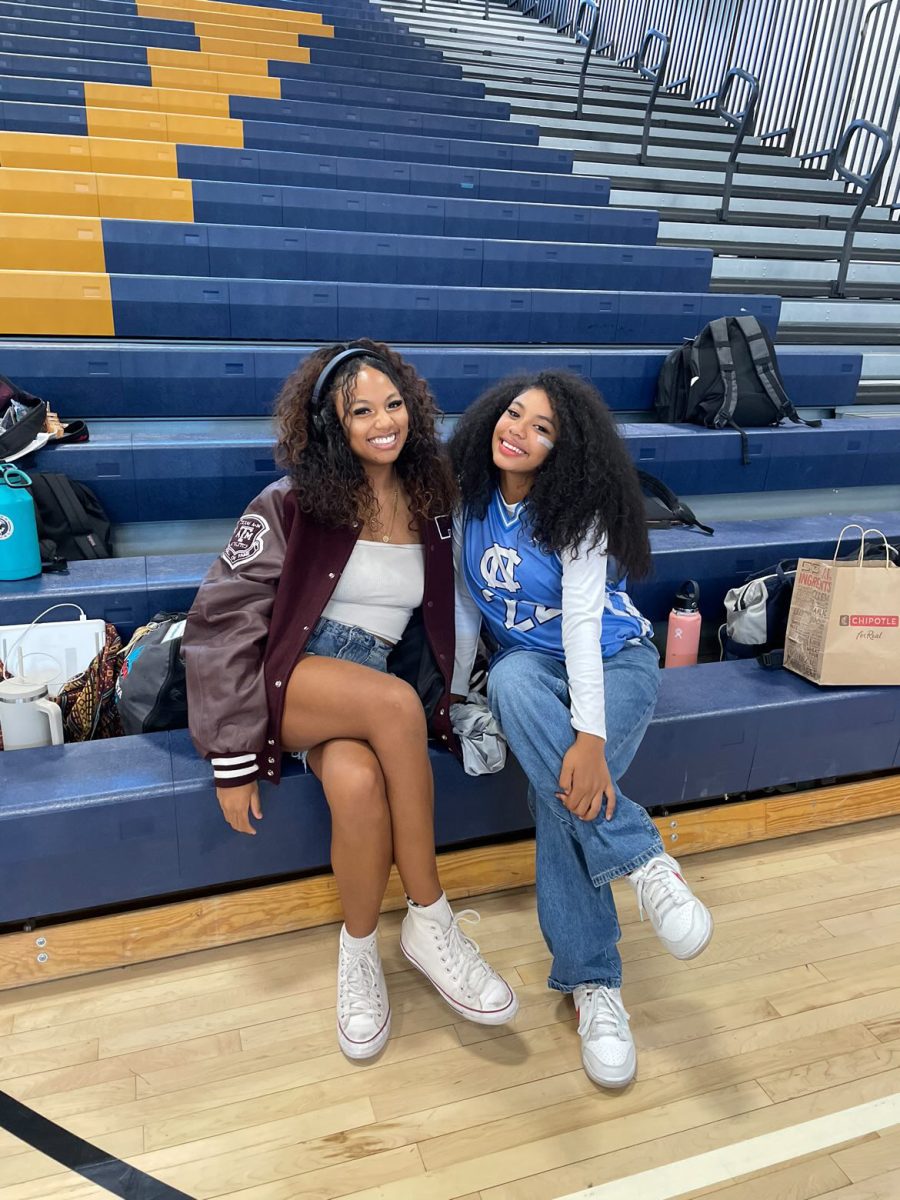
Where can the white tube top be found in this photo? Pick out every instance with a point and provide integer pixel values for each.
(379, 588)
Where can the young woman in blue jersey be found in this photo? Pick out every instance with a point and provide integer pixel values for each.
(552, 523)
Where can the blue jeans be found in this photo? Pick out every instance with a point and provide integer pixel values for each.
(576, 860)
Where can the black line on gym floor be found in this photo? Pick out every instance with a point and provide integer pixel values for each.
(89, 1161)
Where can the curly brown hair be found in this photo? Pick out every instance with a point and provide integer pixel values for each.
(329, 480)
(587, 487)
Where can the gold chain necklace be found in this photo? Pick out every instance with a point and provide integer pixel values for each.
(377, 525)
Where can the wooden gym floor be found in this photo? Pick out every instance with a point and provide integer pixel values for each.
(769, 1068)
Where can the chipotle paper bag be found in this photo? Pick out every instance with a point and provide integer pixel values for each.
(844, 623)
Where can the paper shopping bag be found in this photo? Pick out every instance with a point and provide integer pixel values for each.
(844, 622)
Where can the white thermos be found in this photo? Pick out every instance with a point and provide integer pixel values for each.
(27, 717)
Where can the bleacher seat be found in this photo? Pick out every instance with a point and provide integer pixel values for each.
(128, 591)
(719, 729)
(121, 379)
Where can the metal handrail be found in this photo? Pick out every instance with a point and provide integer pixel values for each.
(589, 40)
(867, 181)
(740, 122)
(652, 38)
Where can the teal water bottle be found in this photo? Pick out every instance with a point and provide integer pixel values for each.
(20, 554)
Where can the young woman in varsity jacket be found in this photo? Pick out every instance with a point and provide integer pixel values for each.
(552, 521)
(335, 589)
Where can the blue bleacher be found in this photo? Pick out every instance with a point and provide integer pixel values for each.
(227, 203)
(99, 14)
(167, 247)
(143, 814)
(120, 379)
(128, 591)
(210, 471)
(153, 306)
(83, 67)
(360, 54)
(295, 92)
(101, 34)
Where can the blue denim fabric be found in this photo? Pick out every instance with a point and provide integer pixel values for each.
(529, 694)
(331, 639)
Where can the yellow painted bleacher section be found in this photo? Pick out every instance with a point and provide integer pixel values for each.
(56, 304)
(110, 156)
(165, 127)
(50, 243)
(229, 83)
(55, 189)
(83, 194)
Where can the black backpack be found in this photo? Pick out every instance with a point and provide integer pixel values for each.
(71, 521)
(151, 689)
(727, 376)
(662, 507)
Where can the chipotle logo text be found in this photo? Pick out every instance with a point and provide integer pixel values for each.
(869, 621)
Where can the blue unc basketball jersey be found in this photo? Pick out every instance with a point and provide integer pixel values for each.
(518, 588)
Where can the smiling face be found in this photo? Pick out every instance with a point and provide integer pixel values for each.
(524, 436)
(377, 421)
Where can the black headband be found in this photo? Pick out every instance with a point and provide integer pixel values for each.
(315, 403)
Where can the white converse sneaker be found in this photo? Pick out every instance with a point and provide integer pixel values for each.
(682, 923)
(607, 1047)
(434, 943)
(363, 1010)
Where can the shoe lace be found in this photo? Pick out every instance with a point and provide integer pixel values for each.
(656, 888)
(361, 990)
(601, 1014)
(463, 955)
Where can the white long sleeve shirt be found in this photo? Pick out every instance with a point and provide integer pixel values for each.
(561, 605)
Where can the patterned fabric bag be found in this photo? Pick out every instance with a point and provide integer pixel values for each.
(88, 700)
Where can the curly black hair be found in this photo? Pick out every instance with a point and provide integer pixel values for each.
(586, 487)
(330, 482)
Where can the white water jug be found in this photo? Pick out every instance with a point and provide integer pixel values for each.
(27, 717)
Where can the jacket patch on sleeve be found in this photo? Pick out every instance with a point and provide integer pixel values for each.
(247, 541)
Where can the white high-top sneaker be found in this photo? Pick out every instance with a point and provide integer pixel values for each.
(434, 943)
(363, 1010)
(607, 1047)
(682, 923)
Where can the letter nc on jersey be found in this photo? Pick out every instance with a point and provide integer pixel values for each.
(518, 588)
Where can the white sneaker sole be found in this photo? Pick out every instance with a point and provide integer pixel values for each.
(612, 1081)
(476, 1015)
(359, 1050)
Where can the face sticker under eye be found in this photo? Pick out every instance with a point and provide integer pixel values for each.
(544, 441)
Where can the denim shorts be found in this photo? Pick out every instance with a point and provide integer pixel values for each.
(331, 639)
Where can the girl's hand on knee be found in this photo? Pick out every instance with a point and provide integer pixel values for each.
(584, 779)
(236, 804)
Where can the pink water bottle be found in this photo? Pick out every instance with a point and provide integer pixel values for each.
(684, 626)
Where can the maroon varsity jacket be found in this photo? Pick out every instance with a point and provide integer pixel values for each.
(255, 612)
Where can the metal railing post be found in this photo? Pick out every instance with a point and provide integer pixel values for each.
(590, 41)
(740, 122)
(867, 181)
(653, 37)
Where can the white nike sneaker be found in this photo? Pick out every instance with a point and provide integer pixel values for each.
(363, 1010)
(607, 1047)
(682, 923)
(451, 960)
